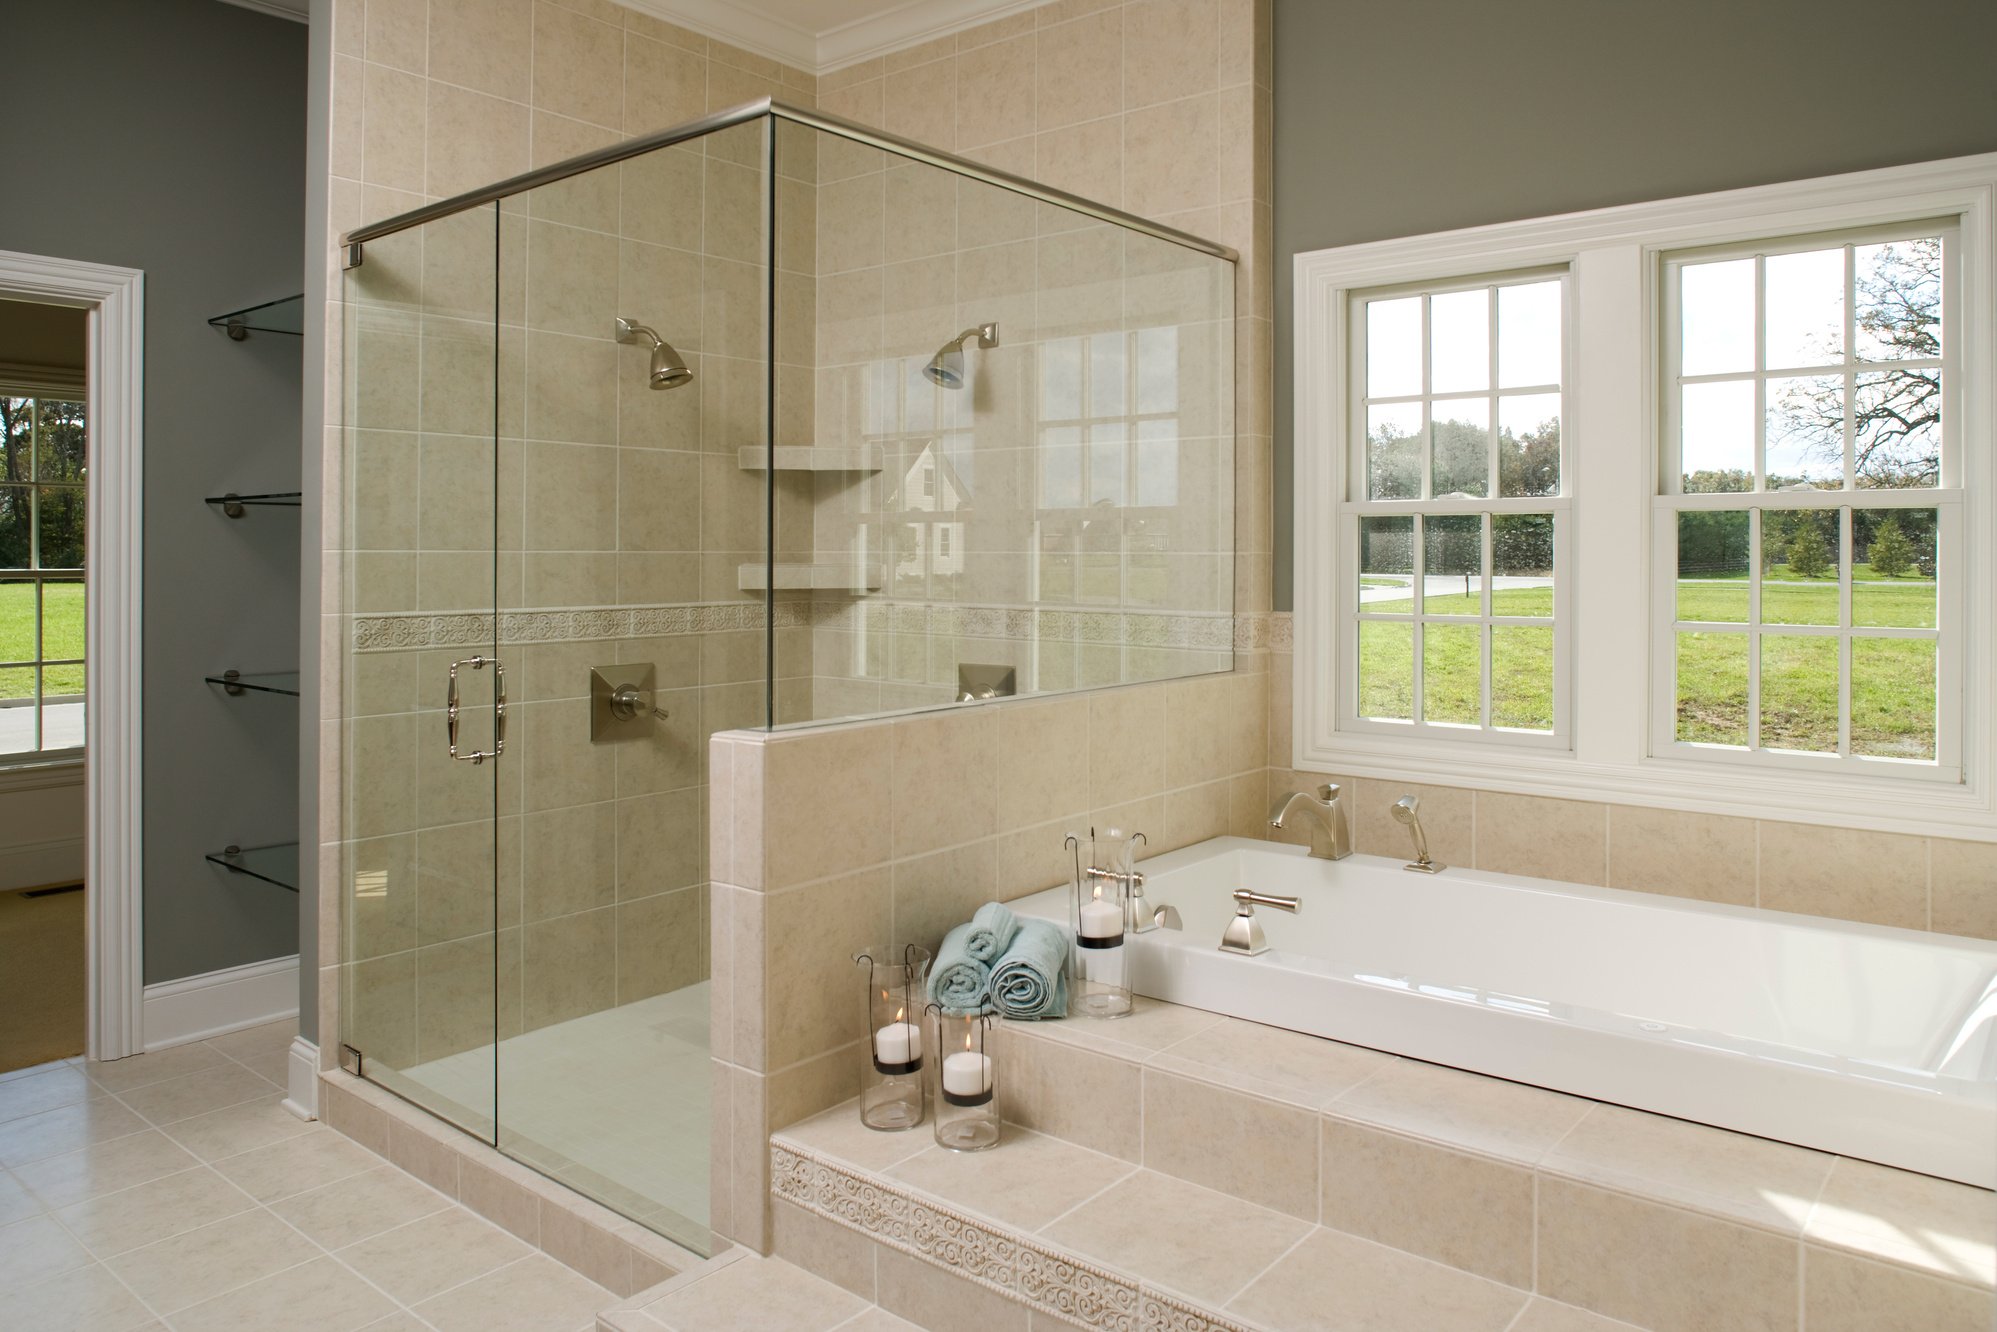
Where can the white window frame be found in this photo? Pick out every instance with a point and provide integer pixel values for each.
(1611, 409)
(1355, 506)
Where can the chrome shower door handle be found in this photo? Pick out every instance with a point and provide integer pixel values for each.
(498, 709)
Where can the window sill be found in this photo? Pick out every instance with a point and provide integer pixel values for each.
(35, 772)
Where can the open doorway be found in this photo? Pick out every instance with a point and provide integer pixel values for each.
(44, 429)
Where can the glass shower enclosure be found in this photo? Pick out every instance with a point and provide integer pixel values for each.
(767, 420)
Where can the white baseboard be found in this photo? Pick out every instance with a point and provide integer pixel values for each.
(302, 1074)
(40, 864)
(198, 1007)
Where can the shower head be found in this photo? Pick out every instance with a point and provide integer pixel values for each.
(669, 368)
(946, 367)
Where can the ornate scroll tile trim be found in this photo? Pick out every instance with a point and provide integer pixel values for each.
(1016, 1265)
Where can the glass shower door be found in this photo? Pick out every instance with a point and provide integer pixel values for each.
(427, 791)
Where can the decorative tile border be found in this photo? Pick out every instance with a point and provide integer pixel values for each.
(1215, 632)
(1019, 1266)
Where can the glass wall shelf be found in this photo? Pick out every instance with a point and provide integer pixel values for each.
(273, 864)
(262, 682)
(279, 316)
(234, 504)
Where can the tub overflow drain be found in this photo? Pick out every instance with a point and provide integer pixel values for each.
(1653, 1026)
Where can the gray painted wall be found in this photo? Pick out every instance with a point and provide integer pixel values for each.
(1424, 115)
(169, 135)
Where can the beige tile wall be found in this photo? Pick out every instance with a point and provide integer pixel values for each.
(1920, 883)
(604, 494)
(831, 840)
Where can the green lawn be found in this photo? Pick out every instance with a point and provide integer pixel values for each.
(1893, 680)
(63, 637)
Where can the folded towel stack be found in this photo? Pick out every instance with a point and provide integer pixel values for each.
(1031, 980)
(995, 960)
(959, 981)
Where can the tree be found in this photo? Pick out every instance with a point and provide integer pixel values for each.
(1896, 412)
(1891, 554)
(1808, 556)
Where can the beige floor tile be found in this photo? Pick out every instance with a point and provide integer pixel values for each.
(273, 1067)
(124, 1074)
(1916, 1220)
(1178, 1235)
(196, 1093)
(297, 1164)
(1333, 1282)
(536, 1294)
(839, 1134)
(171, 1274)
(877, 1320)
(1026, 1182)
(75, 1176)
(1268, 1061)
(271, 1036)
(1547, 1316)
(66, 1128)
(16, 1203)
(1489, 1115)
(421, 1258)
(353, 1209)
(757, 1295)
(88, 1299)
(1749, 1179)
(60, 1085)
(400, 1321)
(239, 1128)
(36, 1249)
(145, 1214)
(317, 1296)
(1846, 1294)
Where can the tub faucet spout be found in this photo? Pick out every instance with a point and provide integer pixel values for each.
(1331, 836)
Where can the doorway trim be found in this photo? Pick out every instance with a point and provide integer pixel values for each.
(112, 574)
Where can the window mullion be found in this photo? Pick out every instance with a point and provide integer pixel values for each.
(1420, 607)
(1754, 629)
(1760, 373)
(1850, 375)
(1486, 640)
(1847, 562)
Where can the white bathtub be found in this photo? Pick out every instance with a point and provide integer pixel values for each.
(1857, 1039)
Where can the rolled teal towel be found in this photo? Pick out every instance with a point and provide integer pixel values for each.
(958, 981)
(1031, 980)
(991, 932)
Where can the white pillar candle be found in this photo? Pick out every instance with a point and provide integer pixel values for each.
(967, 1073)
(898, 1043)
(1101, 920)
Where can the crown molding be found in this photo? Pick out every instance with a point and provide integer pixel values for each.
(295, 10)
(907, 24)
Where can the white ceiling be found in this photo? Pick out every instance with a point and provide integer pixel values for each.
(817, 36)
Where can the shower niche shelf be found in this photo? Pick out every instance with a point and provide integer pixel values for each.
(807, 578)
(280, 316)
(808, 458)
(276, 864)
(258, 682)
(235, 505)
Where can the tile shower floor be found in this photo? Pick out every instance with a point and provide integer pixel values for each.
(171, 1191)
(614, 1104)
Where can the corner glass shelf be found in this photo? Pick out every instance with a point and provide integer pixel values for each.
(234, 504)
(273, 864)
(279, 316)
(262, 682)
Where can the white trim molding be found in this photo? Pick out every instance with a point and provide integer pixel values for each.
(898, 25)
(294, 10)
(115, 577)
(218, 1002)
(1612, 411)
(301, 1070)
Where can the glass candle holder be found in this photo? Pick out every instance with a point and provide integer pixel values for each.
(967, 1117)
(893, 1095)
(1099, 925)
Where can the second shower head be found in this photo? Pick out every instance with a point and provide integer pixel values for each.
(946, 367)
(669, 369)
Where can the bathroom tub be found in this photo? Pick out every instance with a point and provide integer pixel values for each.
(1862, 1040)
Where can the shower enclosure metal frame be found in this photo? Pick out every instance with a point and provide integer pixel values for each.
(474, 659)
